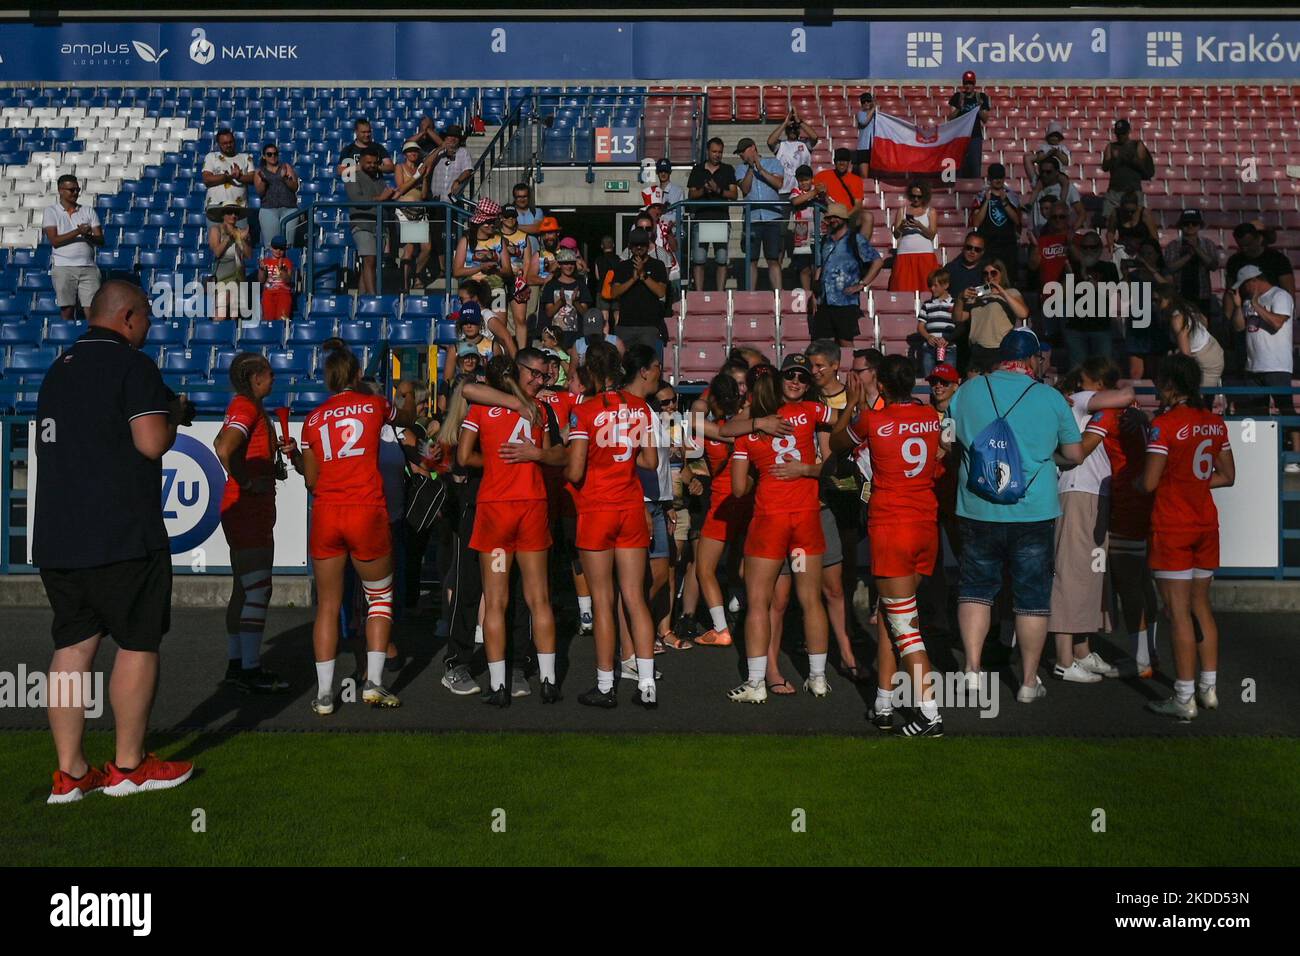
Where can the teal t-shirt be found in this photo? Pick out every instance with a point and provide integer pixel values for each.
(1041, 421)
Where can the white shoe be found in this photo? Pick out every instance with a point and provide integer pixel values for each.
(1207, 697)
(1075, 674)
(1027, 695)
(323, 706)
(972, 681)
(648, 696)
(1095, 664)
(1292, 468)
(1173, 707)
(750, 692)
(817, 686)
(627, 671)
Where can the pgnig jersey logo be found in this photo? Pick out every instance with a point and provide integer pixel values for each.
(192, 484)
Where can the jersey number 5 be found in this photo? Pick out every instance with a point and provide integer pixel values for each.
(350, 431)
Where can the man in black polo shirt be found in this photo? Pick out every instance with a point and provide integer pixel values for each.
(104, 420)
(639, 286)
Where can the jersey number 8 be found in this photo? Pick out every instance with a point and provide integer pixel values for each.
(784, 446)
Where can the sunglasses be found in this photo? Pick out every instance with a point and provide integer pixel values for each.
(794, 375)
(271, 152)
(917, 196)
(970, 248)
(940, 383)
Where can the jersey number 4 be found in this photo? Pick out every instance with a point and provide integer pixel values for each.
(350, 431)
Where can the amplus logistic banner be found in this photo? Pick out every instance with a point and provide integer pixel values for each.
(646, 51)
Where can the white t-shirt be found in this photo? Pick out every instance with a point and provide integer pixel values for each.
(1071, 197)
(866, 129)
(1266, 350)
(226, 194)
(657, 485)
(79, 253)
(792, 153)
(1093, 476)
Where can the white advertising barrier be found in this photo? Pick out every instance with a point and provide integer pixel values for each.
(192, 484)
(1248, 511)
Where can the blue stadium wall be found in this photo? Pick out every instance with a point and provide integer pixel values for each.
(1149, 49)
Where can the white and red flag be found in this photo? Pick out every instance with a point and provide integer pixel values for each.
(901, 148)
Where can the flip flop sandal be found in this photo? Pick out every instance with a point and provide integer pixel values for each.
(675, 643)
(772, 688)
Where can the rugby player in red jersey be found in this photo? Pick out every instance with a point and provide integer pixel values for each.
(609, 437)
(349, 519)
(512, 523)
(787, 521)
(250, 451)
(902, 443)
(1188, 455)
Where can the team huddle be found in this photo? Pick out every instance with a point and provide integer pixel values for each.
(589, 468)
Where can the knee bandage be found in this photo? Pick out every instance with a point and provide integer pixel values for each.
(379, 597)
(900, 617)
(257, 595)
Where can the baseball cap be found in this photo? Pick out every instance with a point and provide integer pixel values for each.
(411, 144)
(470, 312)
(843, 153)
(568, 242)
(1055, 128)
(997, 171)
(278, 243)
(1245, 273)
(968, 76)
(838, 209)
(548, 224)
(944, 372)
(1191, 216)
(743, 145)
(664, 166)
(564, 254)
(1018, 345)
(466, 349)
(638, 237)
(796, 360)
(1122, 126)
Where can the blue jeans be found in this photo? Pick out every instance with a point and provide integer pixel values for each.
(1027, 547)
(1082, 345)
(269, 220)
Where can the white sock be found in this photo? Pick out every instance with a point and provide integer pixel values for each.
(884, 700)
(1208, 678)
(719, 618)
(1141, 648)
(234, 647)
(584, 604)
(496, 674)
(324, 678)
(1183, 690)
(645, 670)
(375, 666)
(604, 681)
(250, 648)
(478, 634)
(757, 668)
(930, 708)
(628, 663)
(546, 666)
(816, 665)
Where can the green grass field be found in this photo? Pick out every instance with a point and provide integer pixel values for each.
(392, 799)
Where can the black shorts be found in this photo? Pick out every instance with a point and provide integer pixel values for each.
(129, 600)
(862, 156)
(765, 238)
(835, 322)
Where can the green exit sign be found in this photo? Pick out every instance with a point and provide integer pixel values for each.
(616, 185)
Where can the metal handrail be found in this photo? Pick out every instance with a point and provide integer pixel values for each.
(746, 205)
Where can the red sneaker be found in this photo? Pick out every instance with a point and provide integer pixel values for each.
(152, 774)
(70, 789)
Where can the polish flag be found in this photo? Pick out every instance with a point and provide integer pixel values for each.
(902, 148)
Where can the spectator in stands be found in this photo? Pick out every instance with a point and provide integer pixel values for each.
(227, 173)
(1148, 341)
(565, 298)
(427, 135)
(1017, 536)
(471, 339)
(640, 285)
(451, 166)
(1190, 259)
(665, 191)
(277, 186)
(935, 324)
(1054, 184)
(711, 179)
(1266, 313)
(848, 266)
(1090, 337)
(1129, 162)
(791, 142)
(807, 198)
(997, 218)
(968, 268)
(530, 216)
(368, 185)
(992, 310)
(840, 184)
(1191, 335)
(543, 262)
(231, 250)
(915, 225)
(363, 139)
(100, 541)
(275, 276)
(1130, 224)
(73, 232)
(865, 120)
(604, 268)
(1050, 259)
(761, 183)
(1253, 250)
(1053, 147)
(663, 239)
(963, 101)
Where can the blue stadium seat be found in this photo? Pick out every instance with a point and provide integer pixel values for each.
(326, 306)
(12, 306)
(173, 334)
(193, 362)
(295, 363)
(305, 402)
(361, 331)
(422, 307)
(29, 364)
(38, 258)
(9, 279)
(121, 259)
(45, 303)
(329, 267)
(221, 360)
(258, 335)
(60, 332)
(21, 331)
(210, 403)
(157, 259)
(34, 280)
(408, 332)
(310, 332)
(154, 352)
(221, 334)
(376, 306)
(445, 333)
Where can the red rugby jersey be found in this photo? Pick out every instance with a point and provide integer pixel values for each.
(259, 452)
(903, 442)
(616, 425)
(503, 480)
(343, 434)
(1192, 438)
(775, 496)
